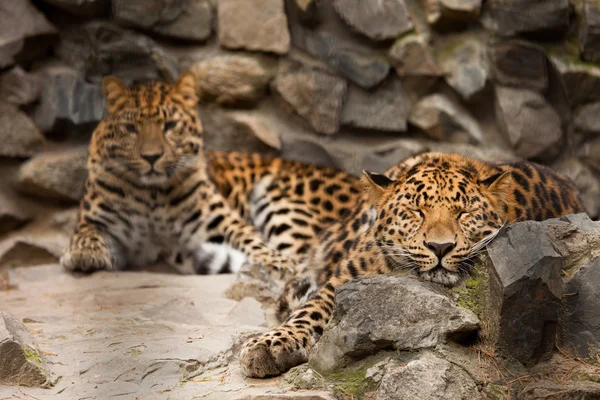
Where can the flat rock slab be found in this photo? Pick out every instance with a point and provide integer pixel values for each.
(135, 334)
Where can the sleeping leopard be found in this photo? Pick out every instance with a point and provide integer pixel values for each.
(431, 214)
(153, 193)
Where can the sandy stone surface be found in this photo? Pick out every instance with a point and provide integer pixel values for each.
(135, 335)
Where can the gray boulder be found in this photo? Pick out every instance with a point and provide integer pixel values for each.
(466, 68)
(378, 20)
(519, 64)
(507, 18)
(55, 175)
(66, 97)
(232, 80)
(186, 19)
(19, 87)
(253, 26)
(582, 81)
(21, 362)
(445, 120)
(587, 118)
(351, 60)
(427, 377)
(531, 125)
(579, 332)
(589, 34)
(586, 180)
(525, 292)
(385, 108)
(451, 13)
(20, 20)
(311, 93)
(86, 8)
(20, 137)
(388, 312)
(412, 56)
(101, 48)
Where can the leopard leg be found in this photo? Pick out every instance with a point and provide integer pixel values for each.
(217, 220)
(297, 291)
(287, 346)
(92, 249)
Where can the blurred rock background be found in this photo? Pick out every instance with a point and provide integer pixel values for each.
(356, 84)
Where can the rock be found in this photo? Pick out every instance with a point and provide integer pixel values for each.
(290, 396)
(355, 62)
(579, 332)
(55, 175)
(19, 87)
(444, 120)
(388, 312)
(466, 69)
(20, 21)
(87, 8)
(21, 362)
(101, 48)
(232, 131)
(67, 98)
(411, 56)
(245, 25)
(307, 11)
(18, 134)
(313, 94)
(233, 79)
(587, 118)
(588, 153)
(520, 64)
(525, 292)
(12, 217)
(385, 108)
(185, 19)
(427, 377)
(27, 250)
(506, 17)
(531, 125)
(581, 81)
(380, 20)
(587, 183)
(452, 13)
(551, 390)
(589, 34)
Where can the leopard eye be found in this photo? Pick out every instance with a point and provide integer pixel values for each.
(170, 125)
(130, 128)
(462, 214)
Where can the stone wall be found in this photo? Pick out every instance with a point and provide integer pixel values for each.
(357, 84)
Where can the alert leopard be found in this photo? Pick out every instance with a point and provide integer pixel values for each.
(432, 214)
(153, 193)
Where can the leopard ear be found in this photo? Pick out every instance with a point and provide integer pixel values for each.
(498, 183)
(375, 184)
(186, 87)
(114, 91)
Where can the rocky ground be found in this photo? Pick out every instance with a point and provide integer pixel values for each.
(133, 335)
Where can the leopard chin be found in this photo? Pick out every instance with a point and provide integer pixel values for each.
(442, 276)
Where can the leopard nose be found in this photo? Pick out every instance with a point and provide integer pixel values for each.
(440, 249)
(151, 158)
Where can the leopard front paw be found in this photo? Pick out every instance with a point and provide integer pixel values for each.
(280, 267)
(271, 355)
(87, 259)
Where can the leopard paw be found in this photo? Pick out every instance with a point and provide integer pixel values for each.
(87, 259)
(280, 267)
(271, 355)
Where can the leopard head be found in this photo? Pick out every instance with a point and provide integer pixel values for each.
(436, 212)
(151, 133)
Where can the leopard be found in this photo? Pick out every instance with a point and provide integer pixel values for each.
(431, 215)
(153, 192)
